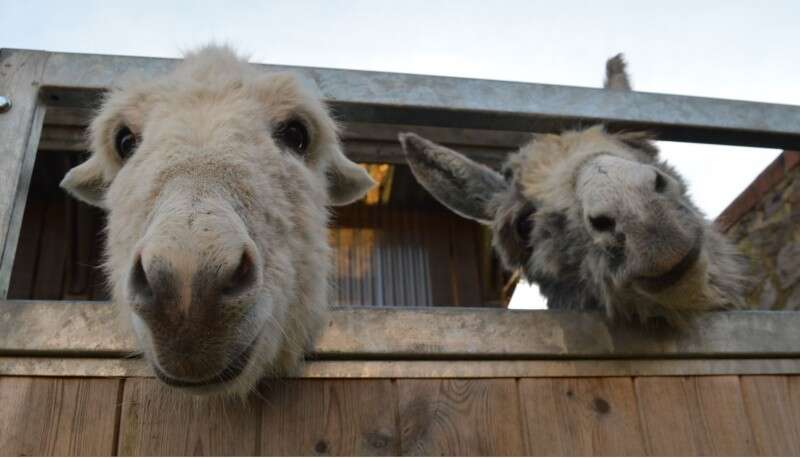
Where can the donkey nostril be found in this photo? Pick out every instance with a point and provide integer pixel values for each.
(242, 278)
(602, 223)
(138, 282)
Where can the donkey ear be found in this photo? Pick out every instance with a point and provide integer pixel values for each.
(462, 185)
(617, 74)
(347, 182)
(87, 182)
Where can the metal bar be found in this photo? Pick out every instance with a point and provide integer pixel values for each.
(20, 76)
(137, 367)
(394, 98)
(91, 329)
(73, 139)
(17, 210)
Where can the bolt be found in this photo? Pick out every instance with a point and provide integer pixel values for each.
(5, 104)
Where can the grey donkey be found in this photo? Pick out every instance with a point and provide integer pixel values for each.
(594, 218)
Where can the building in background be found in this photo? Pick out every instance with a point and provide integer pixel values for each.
(764, 222)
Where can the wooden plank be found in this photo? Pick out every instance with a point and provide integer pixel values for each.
(437, 240)
(465, 263)
(340, 260)
(56, 235)
(587, 416)
(64, 327)
(475, 368)
(98, 286)
(408, 280)
(20, 75)
(52, 416)
(716, 405)
(668, 423)
(775, 421)
(459, 417)
(389, 260)
(329, 417)
(157, 420)
(82, 262)
(399, 252)
(439, 333)
(363, 247)
(75, 366)
(422, 272)
(69, 116)
(361, 269)
(24, 271)
(794, 393)
(80, 266)
(458, 332)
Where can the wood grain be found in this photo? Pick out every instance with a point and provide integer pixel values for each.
(387, 262)
(460, 417)
(329, 417)
(437, 241)
(24, 271)
(581, 416)
(99, 286)
(79, 265)
(669, 423)
(57, 416)
(775, 421)
(54, 245)
(390, 333)
(464, 262)
(157, 420)
(694, 416)
(718, 410)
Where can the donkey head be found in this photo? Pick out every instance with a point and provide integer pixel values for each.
(216, 178)
(596, 219)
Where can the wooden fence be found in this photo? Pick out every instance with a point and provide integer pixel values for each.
(394, 380)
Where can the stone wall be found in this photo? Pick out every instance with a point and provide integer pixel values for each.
(764, 222)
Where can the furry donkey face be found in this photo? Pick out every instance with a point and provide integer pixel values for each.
(216, 178)
(596, 219)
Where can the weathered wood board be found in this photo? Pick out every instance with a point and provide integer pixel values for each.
(57, 416)
(684, 416)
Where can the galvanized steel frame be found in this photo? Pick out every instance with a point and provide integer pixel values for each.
(55, 338)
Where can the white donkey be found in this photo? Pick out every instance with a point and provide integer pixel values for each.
(216, 178)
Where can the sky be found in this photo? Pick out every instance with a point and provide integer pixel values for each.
(747, 50)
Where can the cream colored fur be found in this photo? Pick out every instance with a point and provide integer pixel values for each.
(207, 184)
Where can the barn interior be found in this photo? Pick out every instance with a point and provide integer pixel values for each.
(397, 246)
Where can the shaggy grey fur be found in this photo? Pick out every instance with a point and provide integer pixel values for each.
(597, 220)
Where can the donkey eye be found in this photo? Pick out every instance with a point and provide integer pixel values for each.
(294, 135)
(661, 183)
(524, 223)
(125, 142)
